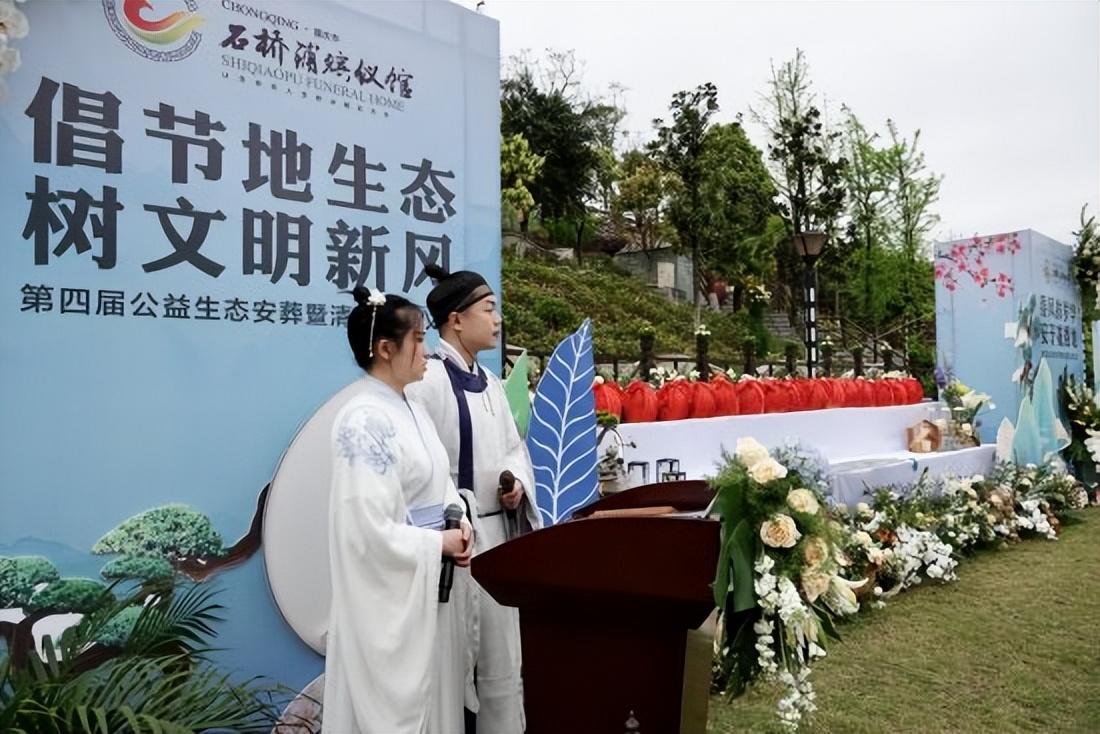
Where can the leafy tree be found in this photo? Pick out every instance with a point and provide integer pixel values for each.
(140, 568)
(519, 167)
(561, 128)
(1086, 265)
(808, 178)
(20, 575)
(867, 180)
(804, 161)
(913, 192)
(739, 197)
(174, 532)
(642, 198)
(69, 595)
(117, 630)
(680, 149)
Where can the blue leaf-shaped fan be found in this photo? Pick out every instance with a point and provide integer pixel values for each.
(562, 435)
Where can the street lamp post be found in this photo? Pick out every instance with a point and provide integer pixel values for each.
(809, 245)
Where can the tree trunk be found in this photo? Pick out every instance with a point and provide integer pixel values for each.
(199, 569)
(21, 643)
(580, 236)
(696, 275)
(867, 271)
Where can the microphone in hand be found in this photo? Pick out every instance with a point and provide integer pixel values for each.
(452, 520)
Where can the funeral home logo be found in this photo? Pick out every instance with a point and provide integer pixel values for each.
(159, 30)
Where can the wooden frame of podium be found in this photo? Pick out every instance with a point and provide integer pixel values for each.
(607, 606)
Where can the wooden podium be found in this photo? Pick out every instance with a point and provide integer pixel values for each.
(606, 605)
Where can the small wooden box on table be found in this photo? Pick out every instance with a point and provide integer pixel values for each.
(606, 605)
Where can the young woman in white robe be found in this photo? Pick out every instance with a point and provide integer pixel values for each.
(394, 663)
(468, 406)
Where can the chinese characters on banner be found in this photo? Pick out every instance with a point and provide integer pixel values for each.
(77, 127)
(272, 46)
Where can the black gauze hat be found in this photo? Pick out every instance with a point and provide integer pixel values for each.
(454, 292)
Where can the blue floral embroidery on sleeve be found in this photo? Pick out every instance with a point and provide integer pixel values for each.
(368, 435)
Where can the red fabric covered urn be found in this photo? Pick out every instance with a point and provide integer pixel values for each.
(725, 395)
(674, 400)
(703, 403)
(639, 403)
(866, 393)
(913, 389)
(608, 397)
(750, 397)
(883, 394)
(834, 392)
(819, 394)
(776, 397)
(898, 392)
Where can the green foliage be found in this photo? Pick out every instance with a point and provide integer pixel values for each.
(157, 682)
(118, 629)
(866, 178)
(806, 164)
(562, 231)
(545, 302)
(573, 135)
(141, 568)
(642, 199)
(807, 170)
(70, 595)
(738, 194)
(171, 531)
(519, 166)
(19, 575)
(1086, 263)
(680, 148)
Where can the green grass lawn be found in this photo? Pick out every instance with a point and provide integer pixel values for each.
(1012, 646)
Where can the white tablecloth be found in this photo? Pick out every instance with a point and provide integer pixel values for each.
(840, 434)
(851, 480)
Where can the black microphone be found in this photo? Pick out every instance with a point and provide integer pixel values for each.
(452, 520)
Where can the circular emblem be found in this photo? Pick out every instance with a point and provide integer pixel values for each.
(159, 30)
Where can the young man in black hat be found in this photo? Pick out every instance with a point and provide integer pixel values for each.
(471, 415)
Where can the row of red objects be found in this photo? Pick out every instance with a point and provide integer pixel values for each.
(640, 402)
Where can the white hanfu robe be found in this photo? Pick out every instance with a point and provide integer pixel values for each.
(392, 664)
(496, 446)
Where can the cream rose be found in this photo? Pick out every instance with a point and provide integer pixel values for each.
(815, 550)
(863, 509)
(814, 584)
(767, 471)
(751, 452)
(802, 500)
(779, 532)
(862, 537)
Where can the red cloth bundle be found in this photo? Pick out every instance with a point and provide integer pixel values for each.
(819, 394)
(725, 395)
(703, 403)
(913, 389)
(750, 397)
(608, 397)
(639, 402)
(674, 400)
(883, 394)
(776, 397)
